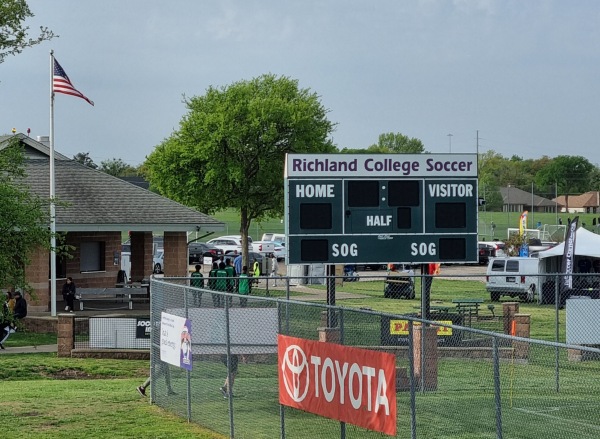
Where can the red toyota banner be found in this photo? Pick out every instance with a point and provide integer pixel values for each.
(352, 385)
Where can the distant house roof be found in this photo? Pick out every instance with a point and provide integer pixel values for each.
(138, 181)
(513, 195)
(97, 201)
(588, 199)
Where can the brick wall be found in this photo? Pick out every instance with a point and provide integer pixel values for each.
(176, 254)
(141, 255)
(37, 273)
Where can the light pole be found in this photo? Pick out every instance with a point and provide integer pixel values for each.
(450, 142)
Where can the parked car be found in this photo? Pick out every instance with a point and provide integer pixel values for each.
(197, 251)
(498, 247)
(158, 261)
(262, 246)
(277, 237)
(485, 252)
(230, 243)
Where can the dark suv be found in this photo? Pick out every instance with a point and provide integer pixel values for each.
(485, 252)
(197, 251)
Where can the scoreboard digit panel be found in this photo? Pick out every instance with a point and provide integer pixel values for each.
(383, 206)
(354, 208)
(317, 206)
(381, 249)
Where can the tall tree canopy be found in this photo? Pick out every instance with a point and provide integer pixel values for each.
(85, 159)
(14, 36)
(571, 174)
(389, 143)
(117, 168)
(230, 148)
(24, 218)
(398, 143)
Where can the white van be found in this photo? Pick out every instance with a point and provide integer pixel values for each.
(278, 237)
(514, 277)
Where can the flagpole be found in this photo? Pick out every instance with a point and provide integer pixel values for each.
(52, 195)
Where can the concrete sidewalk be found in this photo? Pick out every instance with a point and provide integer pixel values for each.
(29, 349)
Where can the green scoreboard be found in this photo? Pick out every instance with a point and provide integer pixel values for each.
(360, 208)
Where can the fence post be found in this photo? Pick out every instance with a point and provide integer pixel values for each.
(425, 346)
(411, 380)
(522, 329)
(497, 399)
(509, 309)
(66, 335)
(228, 349)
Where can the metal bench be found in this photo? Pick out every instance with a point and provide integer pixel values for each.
(124, 296)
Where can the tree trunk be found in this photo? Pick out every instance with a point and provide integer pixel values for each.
(244, 228)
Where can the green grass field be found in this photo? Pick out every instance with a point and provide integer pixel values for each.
(49, 397)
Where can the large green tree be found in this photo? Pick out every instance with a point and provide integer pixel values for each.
(14, 36)
(117, 168)
(571, 174)
(390, 143)
(397, 143)
(85, 159)
(24, 218)
(230, 148)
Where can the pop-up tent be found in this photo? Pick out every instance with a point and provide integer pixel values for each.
(586, 260)
(587, 244)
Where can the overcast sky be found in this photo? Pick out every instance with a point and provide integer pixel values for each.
(524, 73)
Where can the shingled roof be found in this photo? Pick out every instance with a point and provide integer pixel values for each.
(513, 195)
(100, 202)
(588, 199)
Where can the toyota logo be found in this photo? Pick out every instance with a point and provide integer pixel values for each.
(295, 372)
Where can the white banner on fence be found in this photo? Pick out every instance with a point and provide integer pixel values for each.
(176, 340)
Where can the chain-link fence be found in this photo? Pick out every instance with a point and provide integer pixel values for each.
(480, 373)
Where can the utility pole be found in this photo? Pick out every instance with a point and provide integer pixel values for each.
(450, 142)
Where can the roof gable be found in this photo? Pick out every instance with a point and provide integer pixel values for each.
(96, 201)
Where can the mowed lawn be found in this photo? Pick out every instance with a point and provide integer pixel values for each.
(49, 397)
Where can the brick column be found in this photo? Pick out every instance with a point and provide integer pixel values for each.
(523, 329)
(66, 334)
(509, 309)
(176, 254)
(431, 356)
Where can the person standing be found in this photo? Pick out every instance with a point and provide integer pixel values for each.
(220, 284)
(20, 311)
(232, 365)
(68, 291)
(244, 284)
(274, 268)
(256, 271)
(197, 281)
(231, 280)
(10, 302)
(212, 284)
(160, 368)
(237, 264)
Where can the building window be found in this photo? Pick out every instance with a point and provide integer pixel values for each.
(92, 256)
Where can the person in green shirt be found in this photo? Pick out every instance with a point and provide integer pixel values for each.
(231, 287)
(244, 282)
(197, 281)
(221, 282)
(212, 284)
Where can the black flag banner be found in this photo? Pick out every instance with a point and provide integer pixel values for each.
(569, 255)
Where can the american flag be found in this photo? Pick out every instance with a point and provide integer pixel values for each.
(62, 84)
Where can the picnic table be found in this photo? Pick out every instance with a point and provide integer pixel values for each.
(437, 309)
(468, 307)
(125, 296)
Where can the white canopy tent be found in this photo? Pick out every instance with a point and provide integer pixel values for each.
(587, 244)
(587, 254)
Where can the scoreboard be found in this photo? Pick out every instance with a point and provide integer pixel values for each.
(361, 208)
